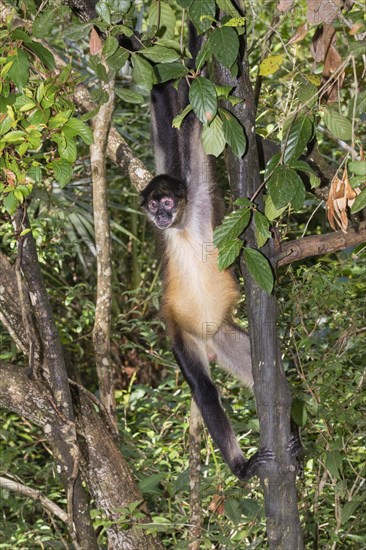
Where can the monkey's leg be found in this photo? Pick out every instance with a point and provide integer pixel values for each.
(231, 346)
(192, 360)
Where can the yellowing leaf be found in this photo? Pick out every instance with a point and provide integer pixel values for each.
(270, 65)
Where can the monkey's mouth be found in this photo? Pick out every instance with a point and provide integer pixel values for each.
(162, 223)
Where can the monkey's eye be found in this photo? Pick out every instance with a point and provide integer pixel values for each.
(153, 206)
(168, 203)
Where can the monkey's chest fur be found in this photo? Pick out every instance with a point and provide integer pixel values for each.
(198, 297)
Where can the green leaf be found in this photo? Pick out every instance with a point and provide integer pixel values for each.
(169, 71)
(358, 167)
(14, 136)
(232, 510)
(228, 253)
(19, 71)
(232, 226)
(160, 54)
(43, 54)
(234, 133)
(297, 201)
(298, 412)
(110, 46)
(44, 22)
(227, 7)
(160, 13)
(66, 148)
(333, 462)
(307, 93)
(270, 65)
(360, 202)
(103, 11)
(202, 96)
(283, 185)
(224, 44)
(59, 120)
(142, 74)
(337, 124)
(5, 124)
(202, 12)
(130, 96)
(10, 203)
(262, 233)
(298, 137)
(81, 129)
(301, 166)
(118, 59)
(259, 268)
(62, 170)
(213, 137)
(203, 55)
(350, 507)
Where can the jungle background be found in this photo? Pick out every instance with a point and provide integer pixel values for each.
(322, 321)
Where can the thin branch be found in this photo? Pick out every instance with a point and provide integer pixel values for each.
(102, 323)
(195, 432)
(317, 245)
(50, 506)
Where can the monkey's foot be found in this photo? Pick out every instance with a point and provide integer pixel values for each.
(248, 468)
(295, 446)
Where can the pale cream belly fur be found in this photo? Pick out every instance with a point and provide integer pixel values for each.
(198, 296)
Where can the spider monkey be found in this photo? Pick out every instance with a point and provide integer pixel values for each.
(198, 299)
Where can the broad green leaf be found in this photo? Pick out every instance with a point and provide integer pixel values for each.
(118, 59)
(202, 96)
(235, 22)
(272, 164)
(160, 13)
(59, 120)
(262, 233)
(337, 124)
(43, 53)
(103, 11)
(67, 149)
(203, 55)
(130, 96)
(19, 34)
(299, 135)
(79, 128)
(110, 46)
(297, 201)
(14, 136)
(10, 203)
(160, 54)
(44, 22)
(224, 44)
(19, 71)
(232, 226)
(228, 253)
(333, 462)
(228, 7)
(360, 202)
(283, 185)
(62, 170)
(232, 510)
(356, 181)
(234, 133)
(298, 412)
(307, 93)
(184, 3)
(350, 507)
(358, 167)
(5, 124)
(142, 74)
(213, 137)
(169, 71)
(270, 65)
(301, 166)
(202, 12)
(259, 268)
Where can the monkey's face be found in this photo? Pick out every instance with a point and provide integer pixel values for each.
(163, 201)
(162, 211)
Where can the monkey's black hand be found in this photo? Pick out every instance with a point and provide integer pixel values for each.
(248, 468)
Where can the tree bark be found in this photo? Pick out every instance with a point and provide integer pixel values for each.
(272, 394)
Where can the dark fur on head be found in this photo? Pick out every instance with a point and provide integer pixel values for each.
(164, 201)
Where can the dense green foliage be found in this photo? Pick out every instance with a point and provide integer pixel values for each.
(323, 303)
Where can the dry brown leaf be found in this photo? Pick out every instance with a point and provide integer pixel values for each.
(10, 176)
(322, 11)
(341, 196)
(324, 37)
(217, 505)
(332, 62)
(300, 34)
(285, 5)
(356, 27)
(95, 43)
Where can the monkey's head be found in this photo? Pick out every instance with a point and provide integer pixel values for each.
(164, 201)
